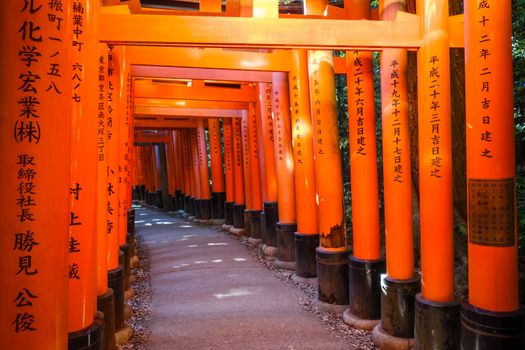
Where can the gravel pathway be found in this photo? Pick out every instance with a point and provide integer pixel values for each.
(307, 295)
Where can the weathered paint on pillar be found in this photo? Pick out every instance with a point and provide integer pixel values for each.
(284, 163)
(254, 154)
(305, 198)
(185, 162)
(396, 157)
(363, 147)
(102, 171)
(35, 149)
(246, 162)
(435, 154)
(267, 125)
(113, 135)
(492, 247)
(229, 161)
(82, 238)
(217, 174)
(327, 156)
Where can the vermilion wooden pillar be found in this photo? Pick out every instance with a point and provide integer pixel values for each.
(284, 167)
(239, 175)
(400, 285)
(115, 269)
(122, 119)
(186, 170)
(105, 295)
(307, 237)
(247, 173)
(179, 166)
(204, 174)
(229, 165)
(35, 136)
(196, 175)
(332, 254)
(437, 313)
(492, 318)
(255, 175)
(218, 193)
(270, 214)
(366, 264)
(83, 325)
(170, 157)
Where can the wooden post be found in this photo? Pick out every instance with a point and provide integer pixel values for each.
(34, 147)
(437, 319)
(239, 175)
(492, 318)
(218, 194)
(270, 214)
(366, 264)
(115, 270)
(247, 173)
(229, 165)
(172, 173)
(307, 237)
(284, 167)
(196, 174)
(105, 295)
(255, 176)
(400, 285)
(332, 254)
(83, 324)
(204, 174)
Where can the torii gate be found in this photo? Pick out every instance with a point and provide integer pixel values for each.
(488, 56)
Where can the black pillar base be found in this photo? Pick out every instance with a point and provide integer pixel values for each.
(187, 204)
(205, 209)
(398, 300)
(489, 330)
(198, 212)
(255, 224)
(90, 338)
(285, 241)
(247, 223)
(159, 201)
(143, 191)
(217, 205)
(228, 213)
(131, 221)
(364, 277)
(179, 200)
(238, 215)
(170, 203)
(332, 276)
(305, 263)
(131, 231)
(106, 305)
(271, 216)
(192, 206)
(116, 282)
(173, 202)
(436, 325)
(124, 260)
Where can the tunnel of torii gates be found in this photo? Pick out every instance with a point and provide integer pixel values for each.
(102, 100)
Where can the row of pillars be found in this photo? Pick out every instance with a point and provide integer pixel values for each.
(280, 184)
(68, 180)
(67, 239)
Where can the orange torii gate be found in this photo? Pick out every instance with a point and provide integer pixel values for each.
(491, 243)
